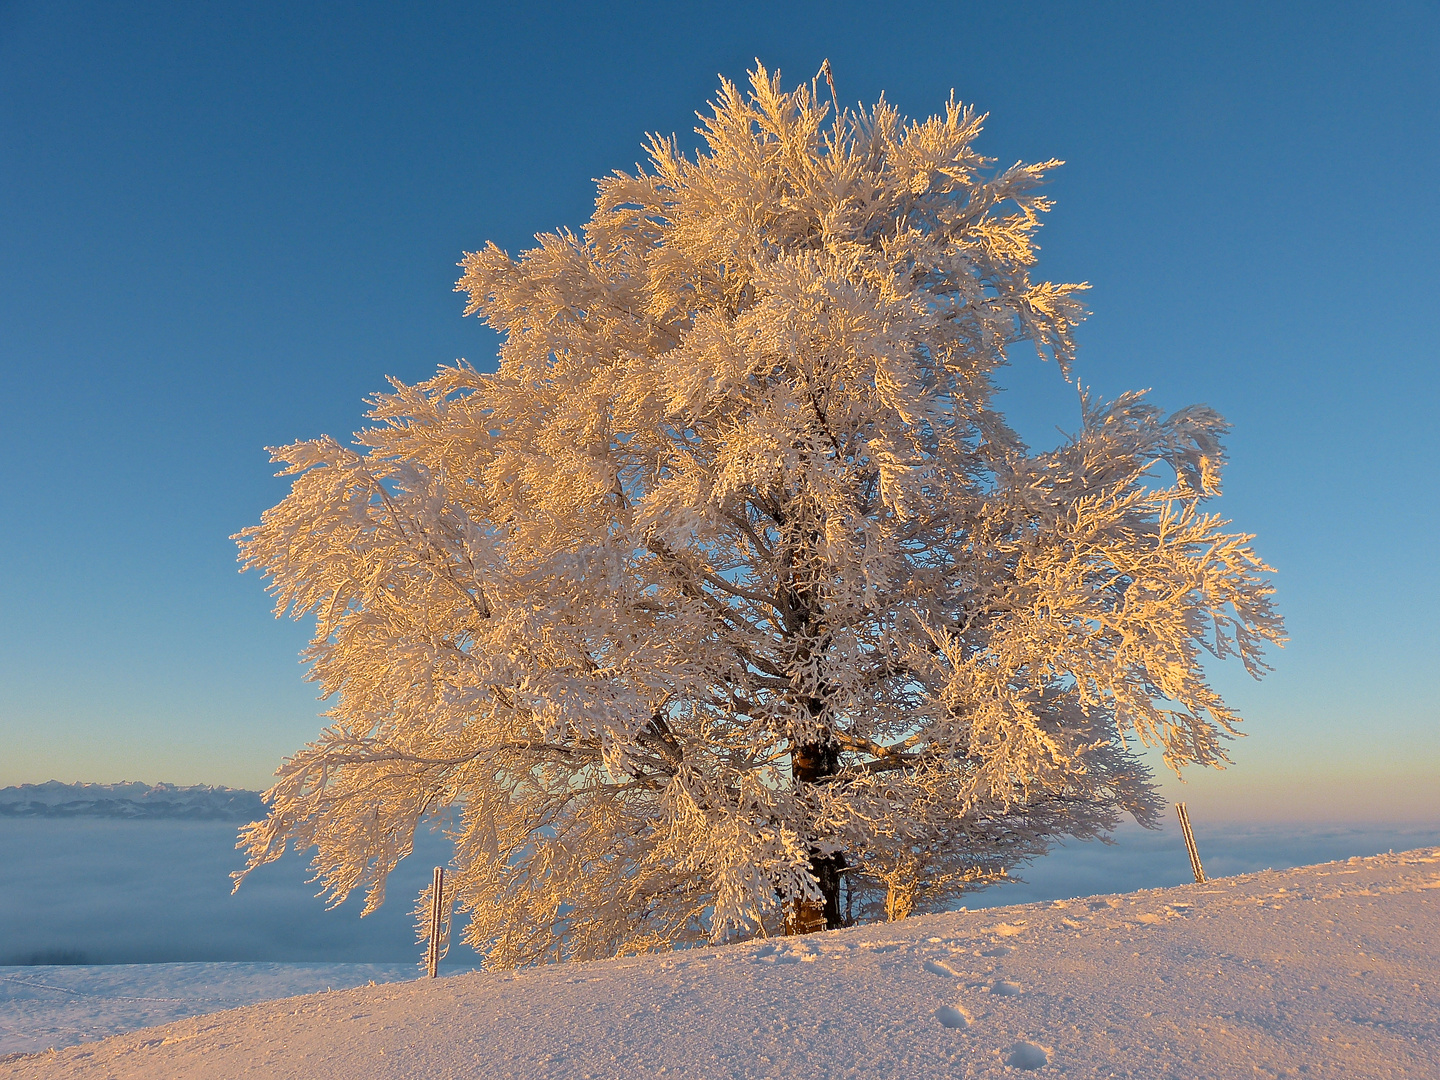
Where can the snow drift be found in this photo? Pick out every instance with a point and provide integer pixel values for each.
(1327, 970)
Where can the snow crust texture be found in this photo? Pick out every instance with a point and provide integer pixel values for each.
(1324, 971)
(45, 1006)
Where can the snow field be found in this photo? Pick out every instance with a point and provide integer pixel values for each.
(41, 1006)
(1324, 971)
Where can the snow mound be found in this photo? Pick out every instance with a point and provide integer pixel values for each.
(1326, 970)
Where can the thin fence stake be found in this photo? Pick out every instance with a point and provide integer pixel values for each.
(432, 952)
(1190, 848)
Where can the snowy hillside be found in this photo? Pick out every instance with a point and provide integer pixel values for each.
(43, 1007)
(1324, 971)
(131, 800)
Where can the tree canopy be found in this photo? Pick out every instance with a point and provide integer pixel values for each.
(732, 584)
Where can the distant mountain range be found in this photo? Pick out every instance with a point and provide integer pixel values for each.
(130, 800)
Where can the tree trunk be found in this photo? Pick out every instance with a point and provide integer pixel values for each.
(810, 763)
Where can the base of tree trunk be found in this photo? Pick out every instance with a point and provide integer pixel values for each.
(805, 917)
(811, 916)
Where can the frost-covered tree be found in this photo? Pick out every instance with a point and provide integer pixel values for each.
(731, 587)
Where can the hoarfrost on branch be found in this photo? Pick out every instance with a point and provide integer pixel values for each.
(730, 598)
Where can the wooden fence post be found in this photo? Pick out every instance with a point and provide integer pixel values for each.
(437, 893)
(1191, 849)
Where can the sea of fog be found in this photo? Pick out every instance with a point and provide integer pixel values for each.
(98, 891)
(103, 891)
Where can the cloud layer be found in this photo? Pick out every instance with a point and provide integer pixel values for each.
(115, 892)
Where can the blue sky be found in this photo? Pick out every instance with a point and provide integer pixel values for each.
(221, 227)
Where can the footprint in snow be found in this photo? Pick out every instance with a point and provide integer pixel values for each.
(771, 954)
(935, 967)
(882, 946)
(1006, 989)
(1027, 1055)
(952, 1017)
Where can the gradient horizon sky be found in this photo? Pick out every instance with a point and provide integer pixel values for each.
(222, 226)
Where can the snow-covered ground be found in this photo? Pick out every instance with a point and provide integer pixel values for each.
(1323, 971)
(41, 1007)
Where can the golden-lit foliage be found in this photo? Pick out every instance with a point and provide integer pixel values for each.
(732, 568)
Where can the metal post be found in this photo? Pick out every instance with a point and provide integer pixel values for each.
(437, 891)
(1194, 852)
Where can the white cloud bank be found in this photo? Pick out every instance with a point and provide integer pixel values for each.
(93, 891)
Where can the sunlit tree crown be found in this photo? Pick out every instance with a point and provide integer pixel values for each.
(731, 585)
